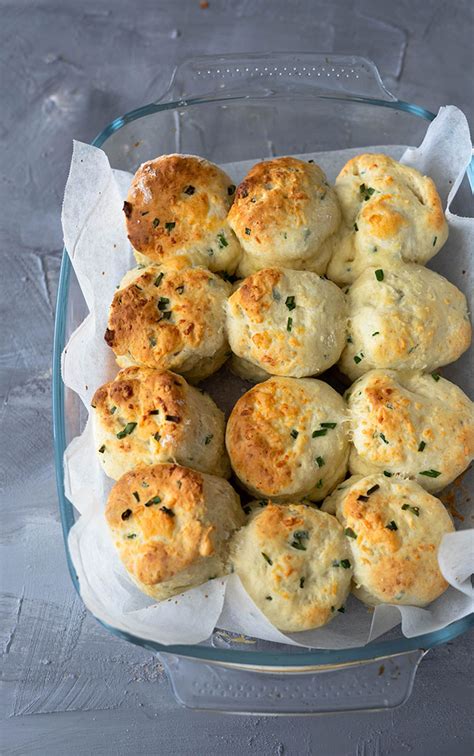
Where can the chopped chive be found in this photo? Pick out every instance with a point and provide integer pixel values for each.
(268, 598)
(156, 222)
(356, 227)
(266, 557)
(154, 412)
(375, 333)
(319, 484)
(435, 376)
(154, 500)
(321, 432)
(350, 533)
(247, 231)
(358, 358)
(126, 514)
(298, 537)
(373, 489)
(383, 438)
(132, 535)
(415, 510)
(342, 609)
(392, 525)
(294, 433)
(129, 428)
(152, 341)
(190, 190)
(349, 340)
(222, 241)
(379, 274)
(170, 225)
(328, 425)
(112, 409)
(290, 303)
(387, 474)
(208, 439)
(421, 446)
(166, 315)
(145, 484)
(247, 509)
(302, 579)
(345, 563)
(231, 190)
(362, 497)
(435, 240)
(145, 212)
(167, 511)
(366, 192)
(163, 303)
(157, 436)
(172, 418)
(136, 495)
(159, 279)
(320, 461)
(430, 473)
(289, 323)
(102, 449)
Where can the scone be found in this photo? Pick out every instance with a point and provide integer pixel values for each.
(407, 318)
(287, 439)
(143, 417)
(418, 425)
(177, 206)
(170, 317)
(295, 563)
(283, 211)
(287, 322)
(390, 213)
(394, 529)
(171, 526)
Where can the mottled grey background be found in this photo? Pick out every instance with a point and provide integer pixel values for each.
(67, 68)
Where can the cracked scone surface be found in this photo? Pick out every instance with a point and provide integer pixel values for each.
(405, 317)
(171, 526)
(294, 562)
(394, 529)
(145, 416)
(410, 423)
(287, 438)
(391, 212)
(177, 206)
(284, 210)
(170, 317)
(287, 322)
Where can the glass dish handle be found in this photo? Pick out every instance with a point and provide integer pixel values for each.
(382, 683)
(260, 74)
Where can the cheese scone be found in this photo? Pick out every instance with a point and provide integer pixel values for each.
(171, 526)
(295, 563)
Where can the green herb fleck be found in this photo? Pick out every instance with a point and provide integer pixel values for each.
(154, 412)
(136, 495)
(375, 333)
(157, 437)
(156, 222)
(247, 231)
(170, 225)
(421, 446)
(362, 497)
(222, 241)
(430, 473)
(387, 474)
(373, 489)
(126, 514)
(167, 511)
(383, 438)
(145, 212)
(415, 510)
(294, 433)
(345, 564)
(276, 295)
(320, 432)
(319, 484)
(342, 609)
(163, 303)
(358, 358)
(208, 439)
(349, 340)
(231, 190)
(320, 461)
(166, 315)
(302, 579)
(350, 533)
(392, 525)
(434, 241)
(145, 484)
(266, 557)
(159, 279)
(435, 376)
(102, 449)
(129, 428)
(328, 425)
(132, 535)
(298, 537)
(379, 274)
(113, 409)
(366, 192)
(189, 190)
(289, 324)
(172, 418)
(356, 227)
(154, 500)
(152, 341)
(290, 303)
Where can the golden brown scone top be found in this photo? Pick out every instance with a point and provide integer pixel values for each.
(179, 203)
(165, 315)
(158, 516)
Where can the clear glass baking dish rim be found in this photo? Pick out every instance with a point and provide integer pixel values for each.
(256, 660)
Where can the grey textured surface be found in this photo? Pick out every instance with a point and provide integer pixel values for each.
(66, 69)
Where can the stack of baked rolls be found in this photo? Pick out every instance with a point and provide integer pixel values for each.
(338, 490)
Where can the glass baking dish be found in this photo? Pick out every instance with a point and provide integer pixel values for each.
(232, 108)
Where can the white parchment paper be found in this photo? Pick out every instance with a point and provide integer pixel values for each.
(94, 235)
